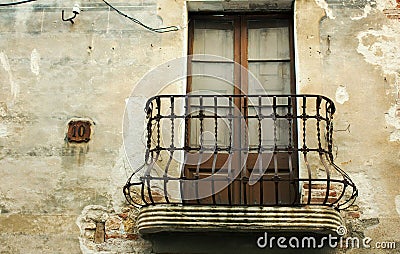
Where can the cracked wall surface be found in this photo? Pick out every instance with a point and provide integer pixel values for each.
(54, 195)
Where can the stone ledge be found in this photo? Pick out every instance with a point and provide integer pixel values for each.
(178, 218)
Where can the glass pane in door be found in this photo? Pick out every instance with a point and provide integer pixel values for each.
(212, 69)
(268, 39)
(269, 66)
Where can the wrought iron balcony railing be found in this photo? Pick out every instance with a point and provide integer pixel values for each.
(249, 150)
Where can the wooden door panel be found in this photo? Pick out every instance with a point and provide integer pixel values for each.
(229, 193)
(279, 193)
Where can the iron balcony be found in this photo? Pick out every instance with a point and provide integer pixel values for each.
(240, 150)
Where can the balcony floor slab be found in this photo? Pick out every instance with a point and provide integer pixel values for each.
(198, 218)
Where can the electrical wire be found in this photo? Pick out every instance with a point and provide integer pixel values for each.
(16, 3)
(157, 30)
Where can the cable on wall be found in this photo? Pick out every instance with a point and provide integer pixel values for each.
(16, 3)
(157, 30)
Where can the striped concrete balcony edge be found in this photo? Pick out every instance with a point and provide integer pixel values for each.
(196, 218)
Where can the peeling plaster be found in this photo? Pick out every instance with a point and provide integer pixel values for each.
(341, 95)
(35, 59)
(394, 121)
(397, 202)
(86, 222)
(90, 214)
(4, 62)
(368, 198)
(324, 5)
(330, 7)
(3, 131)
(382, 48)
(14, 86)
(367, 10)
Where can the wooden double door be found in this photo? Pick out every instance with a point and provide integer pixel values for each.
(243, 157)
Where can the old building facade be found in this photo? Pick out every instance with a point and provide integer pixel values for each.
(73, 129)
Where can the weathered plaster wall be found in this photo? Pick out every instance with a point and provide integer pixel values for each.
(350, 52)
(52, 71)
(52, 194)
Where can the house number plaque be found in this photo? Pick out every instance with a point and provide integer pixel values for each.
(79, 131)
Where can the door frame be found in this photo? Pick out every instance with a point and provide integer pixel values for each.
(241, 87)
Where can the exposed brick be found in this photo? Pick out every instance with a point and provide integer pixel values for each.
(318, 186)
(132, 236)
(113, 223)
(321, 193)
(319, 200)
(123, 215)
(392, 13)
(156, 196)
(353, 214)
(113, 236)
(122, 236)
(129, 225)
(318, 193)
